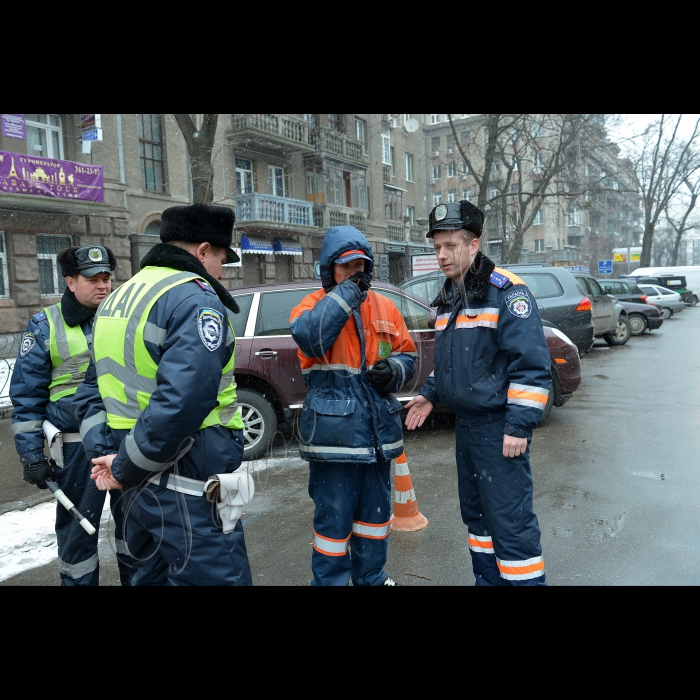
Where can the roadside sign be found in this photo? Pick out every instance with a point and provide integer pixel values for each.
(93, 135)
(605, 267)
(422, 264)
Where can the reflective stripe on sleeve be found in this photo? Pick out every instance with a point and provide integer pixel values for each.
(521, 570)
(524, 395)
(341, 302)
(393, 445)
(480, 544)
(485, 318)
(140, 460)
(329, 547)
(154, 334)
(441, 322)
(27, 426)
(336, 367)
(87, 425)
(370, 531)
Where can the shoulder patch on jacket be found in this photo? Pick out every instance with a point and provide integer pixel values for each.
(498, 280)
(28, 342)
(210, 324)
(519, 303)
(205, 286)
(41, 316)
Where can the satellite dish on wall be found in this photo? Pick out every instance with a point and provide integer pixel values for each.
(411, 125)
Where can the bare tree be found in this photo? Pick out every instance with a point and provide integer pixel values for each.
(200, 146)
(524, 159)
(679, 212)
(662, 165)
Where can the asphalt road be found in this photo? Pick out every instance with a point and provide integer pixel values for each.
(615, 470)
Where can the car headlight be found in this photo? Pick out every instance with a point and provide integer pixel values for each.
(563, 336)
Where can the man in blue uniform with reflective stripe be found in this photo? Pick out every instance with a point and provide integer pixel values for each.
(162, 377)
(50, 366)
(492, 368)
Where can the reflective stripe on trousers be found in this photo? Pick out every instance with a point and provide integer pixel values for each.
(371, 531)
(329, 547)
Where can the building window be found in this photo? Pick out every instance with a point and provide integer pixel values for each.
(44, 135)
(151, 152)
(276, 180)
(311, 120)
(4, 285)
(452, 196)
(573, 217)
(345, 188)
(465, 168)
(48, 247)
(406, 117)
(466, 138)
(435, 145)
(393, 206)
(334, 122)
(393, 161)
(450, 143)
(314, 186)
(537, 130)
(494, 193)
(244, 176)
(451, 169)
(386, 144)
(437, 199)
(467, 194)
(361, 133)
(435, 170)
(411, 216)
(539, 245)
(409, 167)
(537, 163)
(539, 218)
(434, 118)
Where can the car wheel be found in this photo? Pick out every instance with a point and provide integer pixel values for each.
(259, 423)
(666, 313)
(622, 332)
(638, 324)
(693, 300)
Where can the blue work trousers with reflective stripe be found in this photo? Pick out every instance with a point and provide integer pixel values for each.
(176, 540)
(495, 497)
(344, 493)
(77, 550)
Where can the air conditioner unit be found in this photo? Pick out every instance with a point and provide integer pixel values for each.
(462, 176)
(393, 123)
(433, 180)
(449, 150)
(436, 153)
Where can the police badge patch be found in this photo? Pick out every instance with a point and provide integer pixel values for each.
(95, 254)
(440, 212)
(519, 303)
(210, 325)
(28, 342)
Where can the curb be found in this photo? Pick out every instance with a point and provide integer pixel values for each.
(29, 503)
(6, 411)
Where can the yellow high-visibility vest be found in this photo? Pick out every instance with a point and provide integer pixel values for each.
(70, 356)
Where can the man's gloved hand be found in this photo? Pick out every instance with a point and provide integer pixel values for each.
(382, 376)
(362, 280)
(35, 474)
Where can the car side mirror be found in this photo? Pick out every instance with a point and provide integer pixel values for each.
(432, 318)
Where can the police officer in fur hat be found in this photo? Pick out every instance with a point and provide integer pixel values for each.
(52, 360)
(492, 369)
(163, 374)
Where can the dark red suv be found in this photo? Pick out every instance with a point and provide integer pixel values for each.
(270, 386)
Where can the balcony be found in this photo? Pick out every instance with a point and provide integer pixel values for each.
(275, 133)
(418, 236)
(386, 174)
(265, 212)
(333, 142)
(396, 233)
(326, 216)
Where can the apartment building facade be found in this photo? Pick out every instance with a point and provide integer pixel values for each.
(289, 177)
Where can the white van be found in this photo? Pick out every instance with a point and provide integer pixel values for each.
(690, 272)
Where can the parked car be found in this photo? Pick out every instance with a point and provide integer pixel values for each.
(643, 317)
(609, 316)
(623, 290)
(560, 301)
(671, 302)
(271, 390)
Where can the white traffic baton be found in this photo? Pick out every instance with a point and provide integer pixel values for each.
(68, 504)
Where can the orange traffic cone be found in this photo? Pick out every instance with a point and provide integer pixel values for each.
(407, 517)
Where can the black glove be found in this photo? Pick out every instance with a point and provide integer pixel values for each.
(382, 376)
(35, 474)
(362, 280)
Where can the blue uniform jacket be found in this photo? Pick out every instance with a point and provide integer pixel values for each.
(188, 379)
(340, 332)
(29, 391)
(490, 351)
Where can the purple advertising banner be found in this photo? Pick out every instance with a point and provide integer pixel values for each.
(60, 179)
(13, 126)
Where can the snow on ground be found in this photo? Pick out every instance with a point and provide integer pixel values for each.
(28, 539)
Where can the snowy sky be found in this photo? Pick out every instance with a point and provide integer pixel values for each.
(633, 125)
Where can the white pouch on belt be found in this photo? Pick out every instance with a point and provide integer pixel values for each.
(55, 439)
(230, 492)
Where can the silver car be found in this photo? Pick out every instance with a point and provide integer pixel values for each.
(670, 302)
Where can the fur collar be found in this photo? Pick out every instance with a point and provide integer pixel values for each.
(166, 255)
(74, 313)
(475, 283)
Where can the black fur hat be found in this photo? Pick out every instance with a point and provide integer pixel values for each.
(456, 215)
(198, 223)
(86, 260)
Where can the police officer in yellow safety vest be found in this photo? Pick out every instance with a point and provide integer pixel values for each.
(52, 360)
(163, 378)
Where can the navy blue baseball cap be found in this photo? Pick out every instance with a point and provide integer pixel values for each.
(351, 255)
